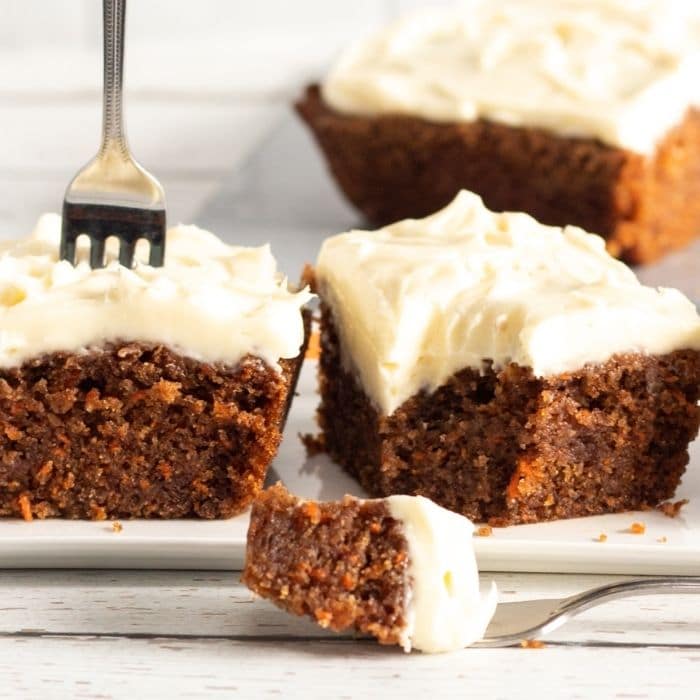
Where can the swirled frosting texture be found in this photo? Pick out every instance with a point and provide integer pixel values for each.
(421, 299)
(211, 301)
(622, 71)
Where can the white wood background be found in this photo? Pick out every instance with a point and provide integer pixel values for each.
(206, 80)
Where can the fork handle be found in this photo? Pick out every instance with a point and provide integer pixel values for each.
(113, 134)
(639, 586)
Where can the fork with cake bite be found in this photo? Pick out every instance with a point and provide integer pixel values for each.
(114, 196)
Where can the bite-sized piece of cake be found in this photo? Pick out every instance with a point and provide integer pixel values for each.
(401, 568)
(145, 392)
(510, 371)
(578, 112)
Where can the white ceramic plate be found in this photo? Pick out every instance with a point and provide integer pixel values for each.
(562, 546)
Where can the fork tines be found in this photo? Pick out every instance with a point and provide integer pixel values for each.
(100, 221)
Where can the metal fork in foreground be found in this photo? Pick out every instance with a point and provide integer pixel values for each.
(525, 620)
(113, 195)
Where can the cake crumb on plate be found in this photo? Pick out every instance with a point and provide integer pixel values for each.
(671, 509)
(314, 444)
(532, 644)
(637, 528)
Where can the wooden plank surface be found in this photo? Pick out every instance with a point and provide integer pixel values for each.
(97, 634)
(88, 668)
(216, 604)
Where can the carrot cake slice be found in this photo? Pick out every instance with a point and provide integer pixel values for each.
(578, 112)
(145, 392)
(401, 568)
(508, 370)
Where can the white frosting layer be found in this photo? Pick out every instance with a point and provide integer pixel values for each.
(445, 609)
(419, 300)
(624, 71)
(211, 301)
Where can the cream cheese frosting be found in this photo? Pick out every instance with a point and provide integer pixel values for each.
(445, 609)
(211, 301)
(421, 299)
(622, 71)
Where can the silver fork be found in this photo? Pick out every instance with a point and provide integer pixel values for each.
(113, 195)
(526, 620)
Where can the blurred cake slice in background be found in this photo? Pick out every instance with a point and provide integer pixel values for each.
(579, 112)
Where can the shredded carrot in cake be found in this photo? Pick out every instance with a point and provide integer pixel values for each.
(25, 507)
(313, 350)
(311, 511)
(12, 432)
(348, 582)
(399, 558)
(375, 527)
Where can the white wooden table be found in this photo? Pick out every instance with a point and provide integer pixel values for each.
(92, 634)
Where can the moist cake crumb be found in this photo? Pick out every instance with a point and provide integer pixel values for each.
(401, 569)
(136, 430)
(25, 507)
(342, 563)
